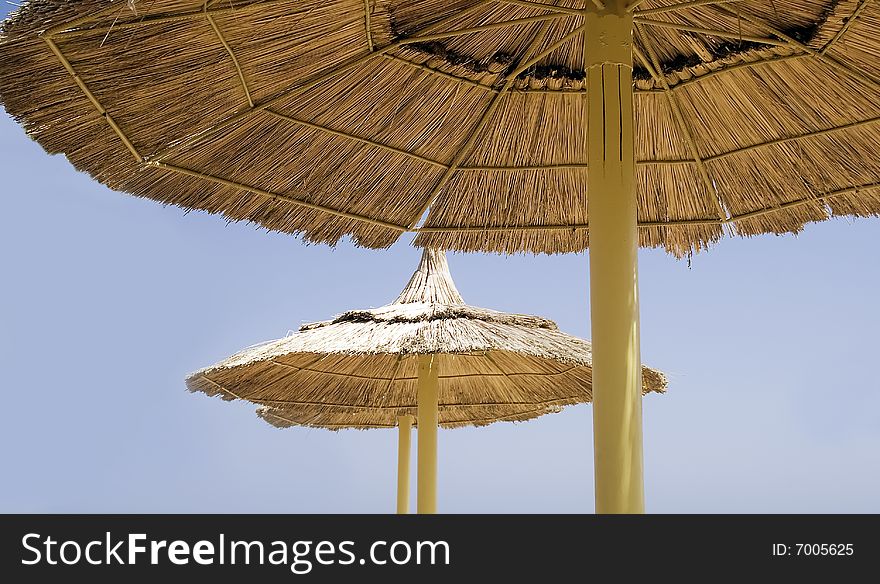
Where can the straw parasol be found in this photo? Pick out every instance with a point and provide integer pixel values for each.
(426, 356)
(476, 124)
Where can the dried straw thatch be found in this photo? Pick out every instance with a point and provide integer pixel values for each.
(359, 369)
(355, 117)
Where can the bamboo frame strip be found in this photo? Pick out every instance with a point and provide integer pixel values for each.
(512, 379)
(295, 89)
(525, 168)
(811, 134)
(549, 49)
(576, 165)
(460, 376)
(566, 166)
(818, 198)
(713, 158)
(277, 196)
(433, 71)
(221, 388)
(397, 363)
(367, 25)
(415, 425)
(830, 61)
(248, 113)
(97, 104)
(275, 415)
(285, 402)
(472, 138)
(295, 368)
(222, 39)
(670, 223)
(680, 6)
(710, 32)
(502, 418)
(558, 227)
(845, 26)
(563, 91)
(348, 136)
(546, 51)
(654, 68)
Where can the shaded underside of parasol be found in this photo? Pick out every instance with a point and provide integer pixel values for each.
(358, 117)
(359, 370)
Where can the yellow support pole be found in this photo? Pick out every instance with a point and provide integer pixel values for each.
(617, 374)
(404, 432)
(427, 446)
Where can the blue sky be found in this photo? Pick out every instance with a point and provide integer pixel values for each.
(107, 302)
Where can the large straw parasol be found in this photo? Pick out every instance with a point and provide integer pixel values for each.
(426, 355)
(477, 124)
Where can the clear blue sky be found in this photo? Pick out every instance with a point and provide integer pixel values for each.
(107, 302)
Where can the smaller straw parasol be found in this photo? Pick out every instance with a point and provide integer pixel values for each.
(427, 357)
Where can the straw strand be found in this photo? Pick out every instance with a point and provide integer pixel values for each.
(277, 196)
(367, 25)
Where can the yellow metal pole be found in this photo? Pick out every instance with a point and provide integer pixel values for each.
(617, 374)
(404, 431)
(427, 447)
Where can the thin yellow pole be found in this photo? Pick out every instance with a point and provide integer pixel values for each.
(617, 375)
(427, 446)
(404, 432)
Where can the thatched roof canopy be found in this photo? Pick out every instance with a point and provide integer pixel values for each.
(356, 117)
(359, 370)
